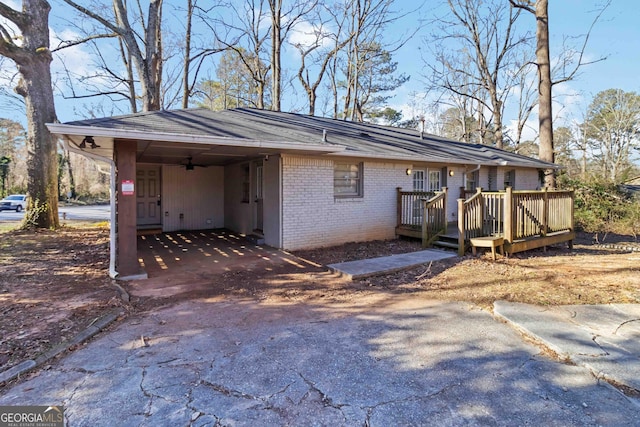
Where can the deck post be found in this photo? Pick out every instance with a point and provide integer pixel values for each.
(572, 209)
(545, 213)
(482, 212)
(399, 206)
(461, 227)
(425, 232)
(444, 208)
(508, 215)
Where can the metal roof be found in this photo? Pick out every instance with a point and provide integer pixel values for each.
(278, 129)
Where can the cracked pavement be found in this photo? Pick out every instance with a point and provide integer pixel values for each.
(390, 360)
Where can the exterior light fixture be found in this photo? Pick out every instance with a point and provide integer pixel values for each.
(88, 140)
(409, 171)
(451, 173)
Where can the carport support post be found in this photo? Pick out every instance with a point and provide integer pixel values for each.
(127, 248)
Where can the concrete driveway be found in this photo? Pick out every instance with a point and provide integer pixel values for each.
(384, 360)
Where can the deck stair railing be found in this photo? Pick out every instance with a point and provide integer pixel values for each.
(434, 218)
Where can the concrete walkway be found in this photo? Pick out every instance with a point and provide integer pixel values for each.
(388, 264)
(602, 338)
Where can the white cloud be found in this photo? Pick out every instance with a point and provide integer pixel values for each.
(75, 58)
(529, 132)
(568, 103)
(306, 34)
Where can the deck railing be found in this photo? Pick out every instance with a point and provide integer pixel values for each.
(410, 208)
(434, 219)
(540, 213)
(514, 215)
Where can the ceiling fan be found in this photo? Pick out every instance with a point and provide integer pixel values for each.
(190, 165)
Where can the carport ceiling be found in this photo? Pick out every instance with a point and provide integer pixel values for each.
(178, 153)
(205, 155)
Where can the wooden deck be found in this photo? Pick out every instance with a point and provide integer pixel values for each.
(524, 219)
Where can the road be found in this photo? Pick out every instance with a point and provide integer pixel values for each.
(82, 213)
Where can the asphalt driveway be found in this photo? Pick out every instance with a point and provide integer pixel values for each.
(386, 360)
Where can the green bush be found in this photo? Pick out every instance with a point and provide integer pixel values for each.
(603, 208)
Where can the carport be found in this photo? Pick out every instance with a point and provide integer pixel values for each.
(181, 170)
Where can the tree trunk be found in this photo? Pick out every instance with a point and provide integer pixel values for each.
(546, 152)
(276, 46)
(497, 119)
(72, 180)
(149, 65)
(187, 57)
(42, 161)
(33, 59)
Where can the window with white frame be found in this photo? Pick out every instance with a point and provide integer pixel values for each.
(472, 180)
(434, 180)
(418, 180)
(347, 180)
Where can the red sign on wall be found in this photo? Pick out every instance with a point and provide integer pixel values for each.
(127, 187)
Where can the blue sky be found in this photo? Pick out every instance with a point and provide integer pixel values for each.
(616, 35)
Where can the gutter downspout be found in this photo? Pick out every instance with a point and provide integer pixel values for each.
(112, 202)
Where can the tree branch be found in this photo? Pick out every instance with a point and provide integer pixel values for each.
(81, 41)
(583, 48)
(20, 19)
(528, 6)
(95, 16)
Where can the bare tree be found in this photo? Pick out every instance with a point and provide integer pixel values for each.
(540, 10)
(146, 56)
(367, 50)
(29, 49)
(485, 58)
(526, 89)
(195, 51)
(105, 79)
(246, 31)
(282, 22)
(186, 92)
(320, 55)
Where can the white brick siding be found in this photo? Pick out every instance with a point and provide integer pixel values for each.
(313, 217)
(527, 179)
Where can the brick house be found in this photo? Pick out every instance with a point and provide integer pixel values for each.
(295, 181)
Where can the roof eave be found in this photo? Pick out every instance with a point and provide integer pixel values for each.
(63, 129)
(419, 158)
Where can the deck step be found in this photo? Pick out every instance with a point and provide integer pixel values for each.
(448, 238)
(446, 244)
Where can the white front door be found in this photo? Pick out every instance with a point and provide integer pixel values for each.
(148, 201)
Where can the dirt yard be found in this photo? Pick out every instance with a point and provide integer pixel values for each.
(54, 283)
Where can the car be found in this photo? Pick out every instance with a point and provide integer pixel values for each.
(14, 202)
